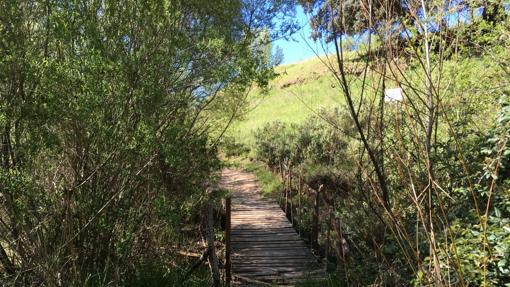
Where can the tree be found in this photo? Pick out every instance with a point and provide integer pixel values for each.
(107, 112)
(349, 17)
(400, 157)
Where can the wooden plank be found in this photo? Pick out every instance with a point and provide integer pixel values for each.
(264, 246)
(266, 228)
(261, 211)
(244, 260)
(275, 262)
(257, 239)
(270, 277)
(268, 223)
(254, 219)
(257, 268)
(296, 256)
(276, 244)
(264, 234)
(261, 215)
(260, 219)
(289, 253)
(262, 222)
(277, 268)
(245, 231)
(269, 251)
(239, 246)
(246, 225)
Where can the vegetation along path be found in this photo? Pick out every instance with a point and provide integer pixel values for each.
(265, 246)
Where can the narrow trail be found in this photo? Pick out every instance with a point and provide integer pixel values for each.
(265, 246)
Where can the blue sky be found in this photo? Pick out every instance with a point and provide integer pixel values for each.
(296, 49)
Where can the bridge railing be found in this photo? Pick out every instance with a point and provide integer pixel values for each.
(312, 215)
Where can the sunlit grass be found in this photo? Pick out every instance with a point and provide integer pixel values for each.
(304, 88)
(293, 97)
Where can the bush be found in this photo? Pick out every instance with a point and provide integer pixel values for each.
(232, 148)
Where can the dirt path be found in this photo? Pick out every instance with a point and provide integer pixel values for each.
(265, 246)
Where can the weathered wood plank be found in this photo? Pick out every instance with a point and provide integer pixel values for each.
(276, 244)
(279, 269)
(275, 262)
(260, 234)
(257, 239)
(252, 252)
(265, 231)
(264, 245)
(282, 256)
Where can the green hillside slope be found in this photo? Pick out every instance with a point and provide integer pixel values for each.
(303, 88)
(298, 91)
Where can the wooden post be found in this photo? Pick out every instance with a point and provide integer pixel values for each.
(315, 232)
(286, 193)
(280, 197)
(213, 259)
(286, 200)
(228, 263)
(328, 240)
(300, 222)
(291, 213)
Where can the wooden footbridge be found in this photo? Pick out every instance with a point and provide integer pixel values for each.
(265, 248)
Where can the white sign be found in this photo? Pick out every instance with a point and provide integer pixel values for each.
(392, 95)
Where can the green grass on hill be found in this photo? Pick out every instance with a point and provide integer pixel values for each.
(298, 91)
(305, 87)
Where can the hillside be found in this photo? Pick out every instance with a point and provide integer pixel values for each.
(299, 90)
(302, 89)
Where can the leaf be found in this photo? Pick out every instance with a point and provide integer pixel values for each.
(502, 263)
(497, 212)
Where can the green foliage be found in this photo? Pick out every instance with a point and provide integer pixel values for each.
(110, 115)
(314, 141)
(482, 244)
(293, 96)
(469, 152)
(475, 248)
(328, 14)
(274, 144)
(328, 281)
(233, 148)
(156, 275)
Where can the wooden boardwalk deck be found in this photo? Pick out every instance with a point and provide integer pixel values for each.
(265, 246)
